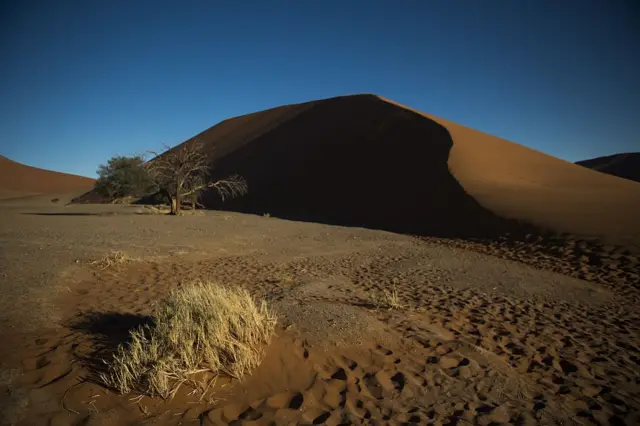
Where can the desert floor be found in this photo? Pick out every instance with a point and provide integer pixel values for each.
(479, 339)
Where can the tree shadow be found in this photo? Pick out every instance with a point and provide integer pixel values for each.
(106, 331)
(63, 214)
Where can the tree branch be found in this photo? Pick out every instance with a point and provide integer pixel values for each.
(185, 169)
(232, 187)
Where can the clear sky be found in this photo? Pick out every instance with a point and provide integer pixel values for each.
(81, 81)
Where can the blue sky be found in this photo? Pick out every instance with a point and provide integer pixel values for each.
(82, 81)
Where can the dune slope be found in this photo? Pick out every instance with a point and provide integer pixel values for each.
(21, 180)
(625, 165)
(517, 182)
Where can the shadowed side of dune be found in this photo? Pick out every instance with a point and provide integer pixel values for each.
(626, 165)
(358, 161)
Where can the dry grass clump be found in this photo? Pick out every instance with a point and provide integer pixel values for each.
(200, 328)
(387, 299)
(165, 210)
(159, 209)
(111, 259)
(393, 298)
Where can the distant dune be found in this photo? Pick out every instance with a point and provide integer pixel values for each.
(366, 161)
(19, 180)
(625, 165)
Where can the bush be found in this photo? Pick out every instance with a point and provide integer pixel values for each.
(202, 327)
(123, 177)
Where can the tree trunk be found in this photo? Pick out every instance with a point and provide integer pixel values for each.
(175, 208)
(172, 202)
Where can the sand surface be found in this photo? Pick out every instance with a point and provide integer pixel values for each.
(479, 339)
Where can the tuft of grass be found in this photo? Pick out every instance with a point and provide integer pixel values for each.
(387, 299)
(266, 214)
(202, 327)
(393, 298)
(111, 259)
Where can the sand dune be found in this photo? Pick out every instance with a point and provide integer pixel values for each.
(19, 180)
(625, 165)
(367, 161)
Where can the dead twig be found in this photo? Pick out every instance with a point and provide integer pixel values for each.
(213, 380)
(64, 406)
(144, 410)
(136, 399)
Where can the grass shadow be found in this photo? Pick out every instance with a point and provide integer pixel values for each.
(106, 331)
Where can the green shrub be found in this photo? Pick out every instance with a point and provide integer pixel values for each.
(124, 177)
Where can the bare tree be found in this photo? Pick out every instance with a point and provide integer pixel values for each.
(184, 172)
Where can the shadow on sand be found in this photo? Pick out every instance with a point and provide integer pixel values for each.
(106, 330)
(63, 214)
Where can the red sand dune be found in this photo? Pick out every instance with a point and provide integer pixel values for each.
(366, 161)
(626, 165)
(18, 180)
